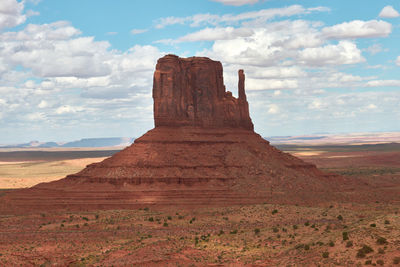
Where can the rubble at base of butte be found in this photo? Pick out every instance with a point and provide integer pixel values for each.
(202, 151)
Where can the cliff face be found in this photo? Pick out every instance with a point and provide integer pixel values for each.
(191, 92)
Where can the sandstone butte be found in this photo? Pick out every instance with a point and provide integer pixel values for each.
(202, 151)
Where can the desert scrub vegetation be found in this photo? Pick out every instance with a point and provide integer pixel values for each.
(363, 251)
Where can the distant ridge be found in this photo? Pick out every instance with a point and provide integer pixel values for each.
(86, 142)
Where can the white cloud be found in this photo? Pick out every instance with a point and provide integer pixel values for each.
(273, 109)
(138, 31)
(383, 83)
(389, 12)
(358, 29)
(345, 52)
(236, 2)
(54, 50)
(43, 104)
(374, 49)
(260, 15)
(398, 61)
(270, 84)
(212, 34)
(67, 109)
(11, 13)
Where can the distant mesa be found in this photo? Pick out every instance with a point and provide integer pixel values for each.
(202, 151)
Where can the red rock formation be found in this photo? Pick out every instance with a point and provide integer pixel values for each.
(203, 151)
(191, 92)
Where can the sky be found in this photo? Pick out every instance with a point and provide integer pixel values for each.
(77, 69)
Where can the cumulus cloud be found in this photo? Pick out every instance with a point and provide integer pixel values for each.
(11, 13)
(358, 29)
(236, 2)
(345, 52)
(55, 50)
(389, 12)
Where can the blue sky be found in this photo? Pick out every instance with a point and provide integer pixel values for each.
(79, 69)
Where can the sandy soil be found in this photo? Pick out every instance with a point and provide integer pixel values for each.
(29, 173)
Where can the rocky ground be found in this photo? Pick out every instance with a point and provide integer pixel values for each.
(261, 235)
(329, 234)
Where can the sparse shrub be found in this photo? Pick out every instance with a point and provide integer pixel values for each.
(234, 232)
(306, 247)
(220, 232)
(62, 225)
(295, 227)
(368, 262)
(97, 216)
(319, 243)
(325, 254)
(340, 218)
(86, 224)
(43, 215)
(307, 223)
(381, 241)
(77, 225)
(151, 219)
(274, 212)
(85, 218)
(275, 230)
(349, 244)
(381, 251)
(146, 209)
(180, 217)
(372, 225)
(225, 218)
(396, 260)
(380, 262)
(256, 231)
(345, 236)
(363, 251)
(169, 218)
(165, 224)
(387, 222)
(331, 244)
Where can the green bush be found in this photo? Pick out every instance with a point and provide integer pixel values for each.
(165, 224)
(275, 230)
(363, 251)
(151, 219)
(345, 236)
(368, 262)
(306, 247)
(307, 223)
(331, 244)
(274, 212)
(349, 244)
(372, 225)
(256, 231)
(325, 254)
(340, 218)
(380, 262)
(381, 241)
(387, 222)
(396, 260)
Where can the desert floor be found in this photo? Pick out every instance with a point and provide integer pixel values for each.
(342, 234)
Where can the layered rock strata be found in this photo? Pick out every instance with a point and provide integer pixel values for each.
(202, 151)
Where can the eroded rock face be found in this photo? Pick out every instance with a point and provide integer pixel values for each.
(191, 92)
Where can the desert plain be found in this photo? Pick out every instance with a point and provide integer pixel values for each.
(324, 234)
